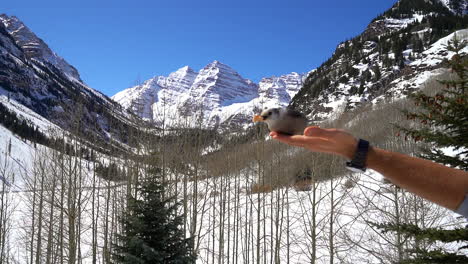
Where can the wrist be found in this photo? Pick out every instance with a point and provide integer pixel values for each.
(373, 157)
(350, 149)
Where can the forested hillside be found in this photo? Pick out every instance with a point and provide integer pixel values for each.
(370, 66)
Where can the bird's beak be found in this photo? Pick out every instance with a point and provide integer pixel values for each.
(257, 118)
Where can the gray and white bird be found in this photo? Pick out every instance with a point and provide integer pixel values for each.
(283, 120)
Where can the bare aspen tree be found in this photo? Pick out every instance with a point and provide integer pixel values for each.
(40, 171)
(61, 230)
(7, 206)
(54, 175)
(32, 185)
(106, 217)
(95, 209)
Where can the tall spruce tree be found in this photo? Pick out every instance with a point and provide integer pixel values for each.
(445, 114)
(152, 229)
(445, 125)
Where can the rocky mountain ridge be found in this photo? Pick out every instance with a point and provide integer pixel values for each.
(215, 96)
(33, 76)
(34, 47)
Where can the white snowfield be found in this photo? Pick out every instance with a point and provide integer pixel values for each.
(463, 5)
(232, 224)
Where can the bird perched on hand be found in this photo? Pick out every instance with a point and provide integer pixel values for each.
(283, 120)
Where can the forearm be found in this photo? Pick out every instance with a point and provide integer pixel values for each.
(437, 183)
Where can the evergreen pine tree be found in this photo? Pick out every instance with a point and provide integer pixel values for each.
(361, 88)
(445, 120)
(377, 73)
(445, 114)
(152, 229)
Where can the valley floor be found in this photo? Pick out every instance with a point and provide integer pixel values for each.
(231, 223)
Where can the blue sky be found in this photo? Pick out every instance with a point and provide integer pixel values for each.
(113, 44)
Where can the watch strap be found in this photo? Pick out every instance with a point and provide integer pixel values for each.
(360, 157)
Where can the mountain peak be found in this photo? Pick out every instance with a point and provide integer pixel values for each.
(218, 68)
(185, 69)
(12, 18)
(12, 22)
(35, 47)
(217, 64)
(408, 8)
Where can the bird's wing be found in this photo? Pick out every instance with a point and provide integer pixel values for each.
(293, 113)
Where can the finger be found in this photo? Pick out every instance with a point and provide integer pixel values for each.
(292, 140)
(312, 143)
(315, 131)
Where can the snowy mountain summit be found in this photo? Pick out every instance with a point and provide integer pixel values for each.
(215, 96)
(34, 47)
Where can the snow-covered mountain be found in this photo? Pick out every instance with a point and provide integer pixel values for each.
(364, 69)
(396, 53)
(33, 76)
(216, 95)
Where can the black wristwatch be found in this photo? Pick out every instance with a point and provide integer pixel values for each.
(358, 163)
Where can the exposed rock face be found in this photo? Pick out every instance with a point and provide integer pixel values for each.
(34, 47)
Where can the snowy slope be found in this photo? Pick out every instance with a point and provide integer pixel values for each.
(347, 91)
(217, 93)
(460, 7)
(259, 221)
(21, 166)
(426, 66)
(437, 53)
(232, 222)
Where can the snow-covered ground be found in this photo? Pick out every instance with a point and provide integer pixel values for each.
(279, 225)
(232, 223)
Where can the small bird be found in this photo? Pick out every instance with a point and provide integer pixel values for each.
(283, 120)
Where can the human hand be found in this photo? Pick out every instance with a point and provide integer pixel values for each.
(333, 141)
